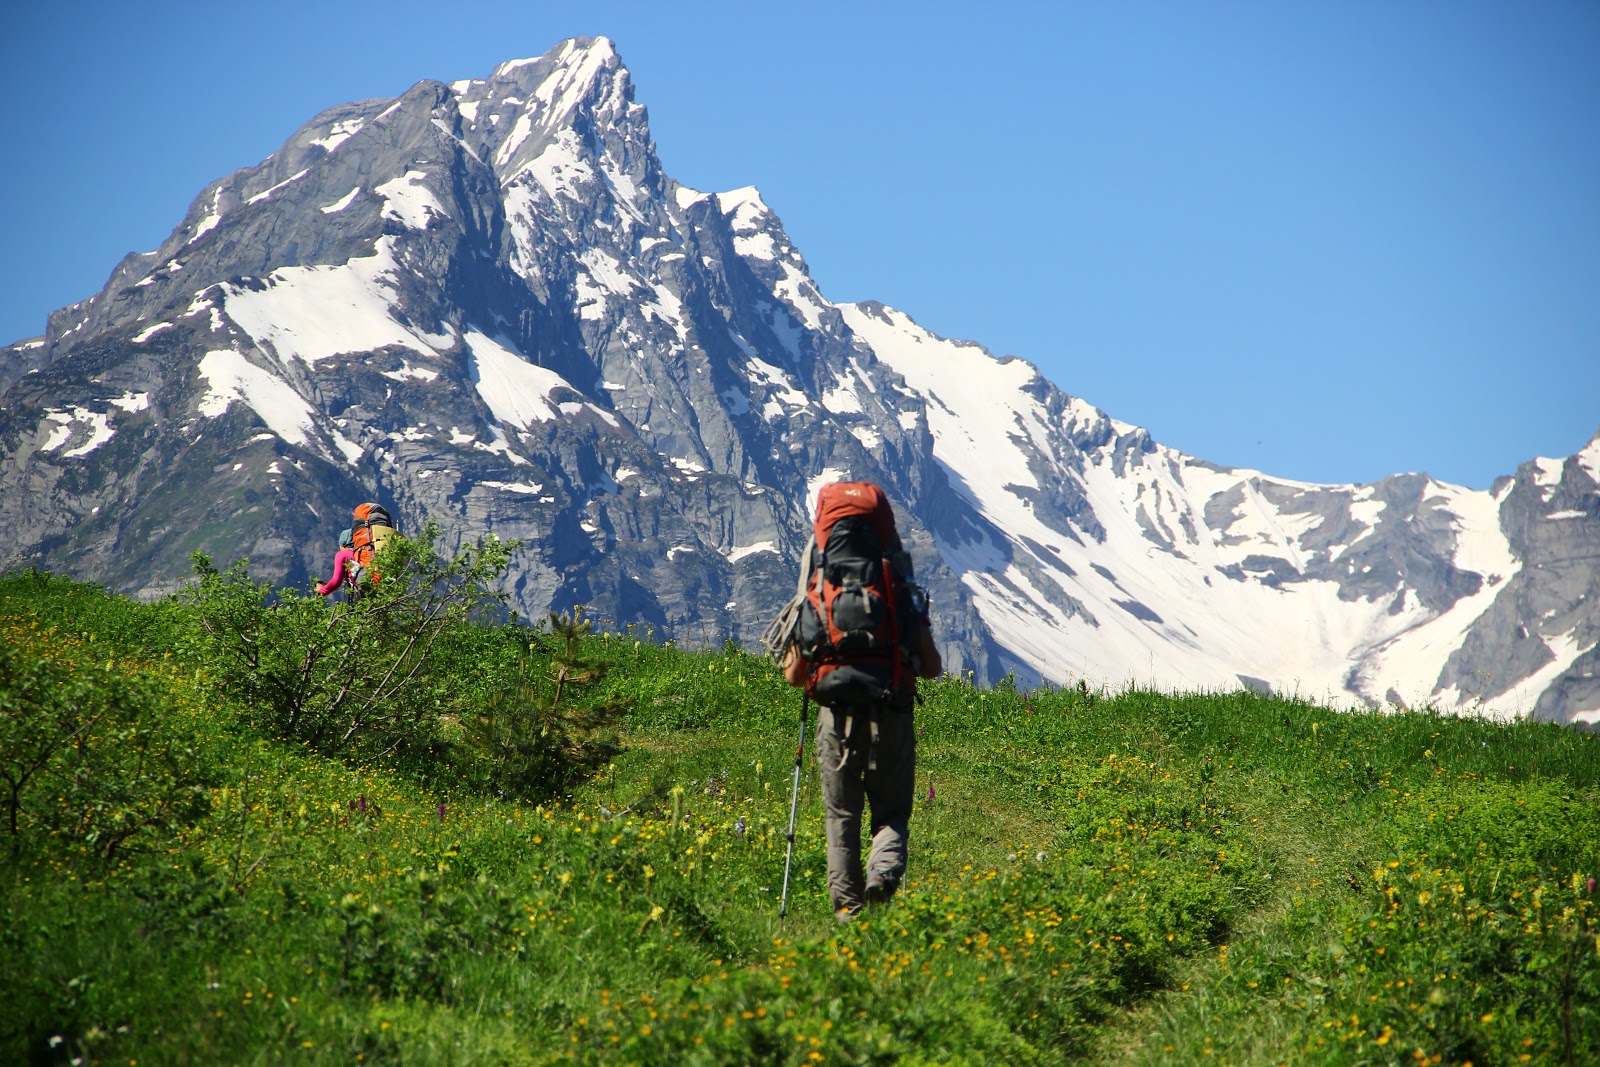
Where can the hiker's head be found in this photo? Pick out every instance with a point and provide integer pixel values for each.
(346, 538)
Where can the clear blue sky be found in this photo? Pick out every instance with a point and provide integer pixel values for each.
(1330, 241)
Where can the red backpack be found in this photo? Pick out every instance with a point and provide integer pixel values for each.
(372, 527)
(856, 626)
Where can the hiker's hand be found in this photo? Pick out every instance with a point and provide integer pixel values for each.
(929, 665)
(794, 667)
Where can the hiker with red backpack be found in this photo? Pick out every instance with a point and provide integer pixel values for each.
(358, 547)
(856, 637)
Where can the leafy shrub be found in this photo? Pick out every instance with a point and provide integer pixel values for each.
(337, 675)
(87, 757)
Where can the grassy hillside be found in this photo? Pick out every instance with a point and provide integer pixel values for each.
(1135, 878)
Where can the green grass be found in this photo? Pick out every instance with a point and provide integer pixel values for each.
(1124, 878)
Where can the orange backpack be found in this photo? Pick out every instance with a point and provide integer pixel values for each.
(371, 528)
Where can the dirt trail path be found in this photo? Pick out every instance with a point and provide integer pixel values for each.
(1311, 853)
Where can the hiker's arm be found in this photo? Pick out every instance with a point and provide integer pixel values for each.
(338, 573)
(331, 584)
(929, 665)
(794, 668)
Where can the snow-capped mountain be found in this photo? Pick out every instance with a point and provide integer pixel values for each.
(485, 303)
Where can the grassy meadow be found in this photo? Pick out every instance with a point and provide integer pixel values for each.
(570, 847)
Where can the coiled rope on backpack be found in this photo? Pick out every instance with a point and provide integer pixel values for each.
(784, 630)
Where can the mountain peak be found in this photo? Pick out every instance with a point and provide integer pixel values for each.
(734, 199)
(1589, 457)
(746, 211)
(573, 52)
(578, 92)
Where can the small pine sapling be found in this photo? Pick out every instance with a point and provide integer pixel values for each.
(547, 726)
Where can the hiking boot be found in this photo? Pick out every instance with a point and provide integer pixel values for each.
(847, 914)
(879, 890)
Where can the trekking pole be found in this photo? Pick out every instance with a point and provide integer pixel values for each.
(794, 804)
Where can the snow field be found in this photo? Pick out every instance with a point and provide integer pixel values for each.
(990, 434)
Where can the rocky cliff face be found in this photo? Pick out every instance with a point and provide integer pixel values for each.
(484, 303)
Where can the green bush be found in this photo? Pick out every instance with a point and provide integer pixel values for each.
(89, 759)
(340, 676)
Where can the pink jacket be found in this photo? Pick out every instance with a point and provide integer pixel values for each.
(343, 557)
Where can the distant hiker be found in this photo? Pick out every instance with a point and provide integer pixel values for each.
(358, 547)
(857, 637)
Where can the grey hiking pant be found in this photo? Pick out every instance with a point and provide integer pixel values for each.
(849, 785)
